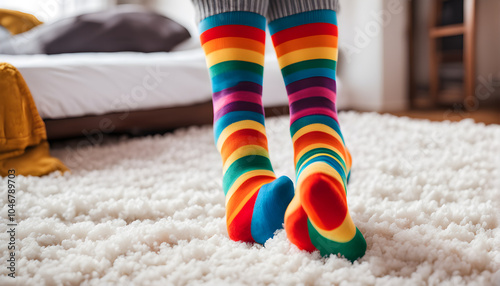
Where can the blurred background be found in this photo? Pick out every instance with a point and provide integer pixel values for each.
(434, 59)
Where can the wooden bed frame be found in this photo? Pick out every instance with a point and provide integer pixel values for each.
(139, 122)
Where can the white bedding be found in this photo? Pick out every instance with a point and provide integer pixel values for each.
(73, 85)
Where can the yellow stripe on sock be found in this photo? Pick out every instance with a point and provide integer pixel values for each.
(247, 150)
(343, 233)
(243, 124)
(308, 54)
(306, 42)
(233, 42)
(243, 178)
(294, 206)
(234, 212)
(316, 127)
(233, 54)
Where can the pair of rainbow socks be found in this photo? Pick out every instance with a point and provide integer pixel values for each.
(315, 215)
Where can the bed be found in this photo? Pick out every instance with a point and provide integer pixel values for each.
(137, 92)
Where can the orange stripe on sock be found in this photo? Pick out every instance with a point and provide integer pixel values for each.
(233, 42)
(241, 138)
(246, 187)
(316, 137)
(241, 197)
(306, 42)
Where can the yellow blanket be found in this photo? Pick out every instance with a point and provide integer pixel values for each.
(17, 22)
(23, 140)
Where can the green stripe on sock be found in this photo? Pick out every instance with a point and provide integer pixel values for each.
(309, 64)
(229, 66)
(352, 249)
(242, 166)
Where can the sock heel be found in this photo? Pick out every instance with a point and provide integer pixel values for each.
(323, 199)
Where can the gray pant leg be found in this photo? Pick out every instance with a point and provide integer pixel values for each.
(207, 8)
(282, 8)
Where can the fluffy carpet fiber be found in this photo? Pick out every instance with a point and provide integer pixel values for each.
(150, 211)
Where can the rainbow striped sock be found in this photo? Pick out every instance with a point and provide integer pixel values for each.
(256, 201)
(317, 217)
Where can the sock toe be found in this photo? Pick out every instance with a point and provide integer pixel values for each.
(269, 209)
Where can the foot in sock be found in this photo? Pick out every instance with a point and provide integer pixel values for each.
(318, 216)
(256, 201)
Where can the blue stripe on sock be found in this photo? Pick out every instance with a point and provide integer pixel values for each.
(232, 78)
(303, 74)
(233, 117)
(233, 18)
(316, 16)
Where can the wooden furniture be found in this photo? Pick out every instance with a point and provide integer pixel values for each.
(465, 55)
(140, 122)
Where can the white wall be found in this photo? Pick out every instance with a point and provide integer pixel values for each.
(360, 55)
(395, 60)
(51, 10)
(181, 11)
(373, 65)
(488, 39)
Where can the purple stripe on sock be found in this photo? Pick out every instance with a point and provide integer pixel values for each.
(241, 86)
(310, 82)
(239, 106)
(311, 102)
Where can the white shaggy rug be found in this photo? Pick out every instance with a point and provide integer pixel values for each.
(150, 211)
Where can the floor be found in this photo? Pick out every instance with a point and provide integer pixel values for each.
(487, 115)
(150, 211)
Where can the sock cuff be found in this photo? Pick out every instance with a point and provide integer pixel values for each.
(309, 17)
(233, 18)
(283, 8)
(207, 8)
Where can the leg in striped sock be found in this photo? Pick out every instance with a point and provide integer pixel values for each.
(255, 200)
(318, 216)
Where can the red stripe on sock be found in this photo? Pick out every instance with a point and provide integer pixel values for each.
(233, 31)
(305, 30)
(297, 231)
(240, 229)
(314, 137)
